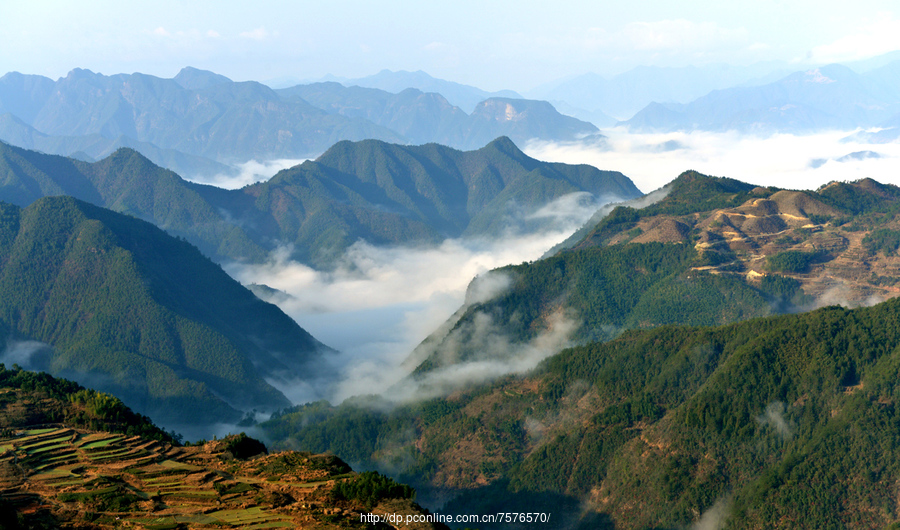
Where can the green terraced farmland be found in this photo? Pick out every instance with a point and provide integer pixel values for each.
(101, 443)
(117, 478)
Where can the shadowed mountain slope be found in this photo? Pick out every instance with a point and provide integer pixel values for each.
(117, 303)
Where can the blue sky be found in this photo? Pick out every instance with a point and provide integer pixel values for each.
(490, 44)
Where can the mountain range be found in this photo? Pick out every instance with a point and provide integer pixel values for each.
(199, 121)
(466, 97)
(622, 95)
(382, 193)
(422, 117)
(830, 97)
(649, 423)
(712, 251)
(750, 425)
(678, 362)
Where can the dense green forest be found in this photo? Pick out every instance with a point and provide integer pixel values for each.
(608, 289)
(785, 420)
(754, 420)
(140, 314)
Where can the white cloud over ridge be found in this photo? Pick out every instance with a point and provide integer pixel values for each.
(680, 35)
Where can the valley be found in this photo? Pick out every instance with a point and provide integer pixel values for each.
(660, 297)
(711, 251)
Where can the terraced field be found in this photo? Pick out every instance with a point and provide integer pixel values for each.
(115, 481)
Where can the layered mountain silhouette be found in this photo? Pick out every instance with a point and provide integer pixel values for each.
(198, 120)
(463, 96)
(379, 192)
(830, 97)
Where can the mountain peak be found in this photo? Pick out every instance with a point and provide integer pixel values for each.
(505, 145)
(127, 153)
(693, 181)
(192, 78)
(80, 73)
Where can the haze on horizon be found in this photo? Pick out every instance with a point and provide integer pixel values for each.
(495, 45)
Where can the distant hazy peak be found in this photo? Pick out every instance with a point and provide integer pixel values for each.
(192, 78)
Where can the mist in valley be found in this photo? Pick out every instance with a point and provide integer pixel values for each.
(246, 173)
(379, 303)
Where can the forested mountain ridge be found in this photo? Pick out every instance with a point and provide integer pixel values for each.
(116, 302)
(784, 421)
(656, 427)
(713, 251)
(382, 193)
(74, 457)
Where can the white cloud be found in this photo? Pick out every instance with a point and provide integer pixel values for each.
(381, 302)
(678, 39)
(773, 417)
(783, 160)
(874, 39)
(183, 37)
(247, 173)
